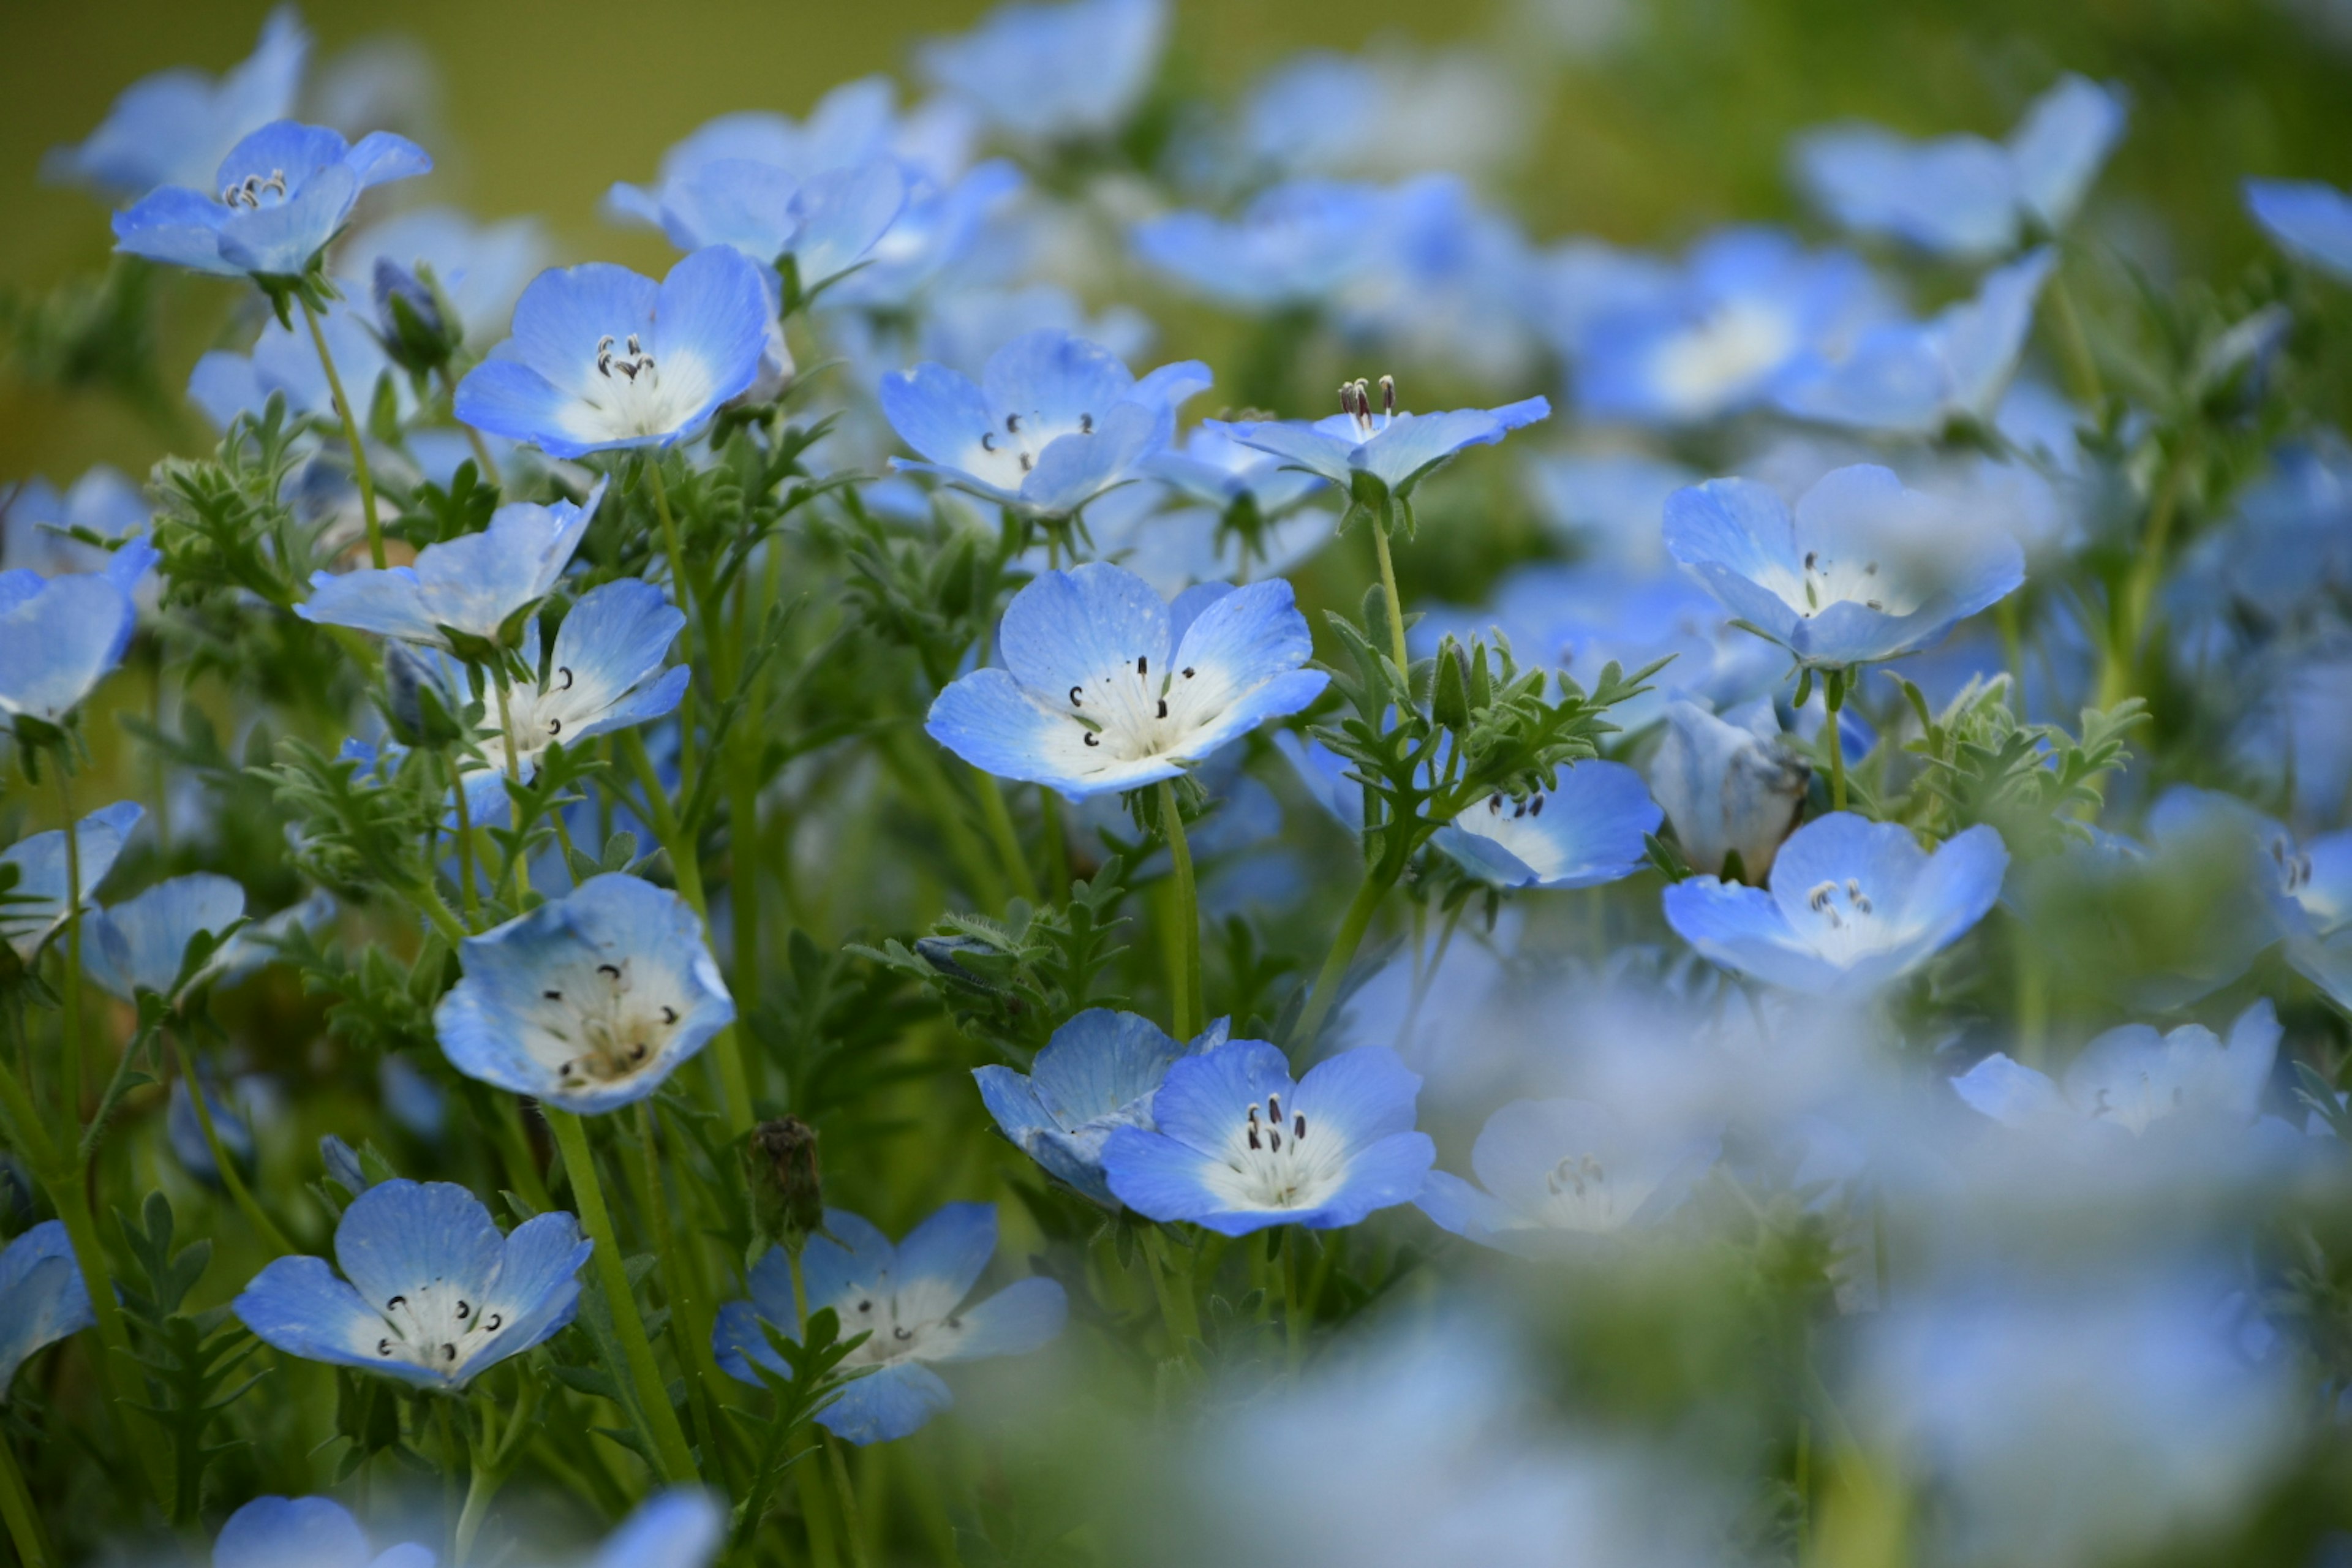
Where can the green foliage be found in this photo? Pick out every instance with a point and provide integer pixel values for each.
(189, 1357)
(358, 828)
(2035, 784)
(785, 1435)
(224, 521)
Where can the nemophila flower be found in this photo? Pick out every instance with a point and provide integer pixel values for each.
(1398, 450)
(588, 1002)
(1099, 1071)
(305, 1532)
(962, 327)
(431, 1293)
(284, 363)
(173, 128)
(234, 1111)
(140, 943)
(1212, 466)
(1390, 111)
(473, 584)
(682, 1528)
(603, 359)
(826, 221)
(1053, 422)
(1728, 788)
(1862, 570)
(1105, 687)
(1044, 71)
(1295, 244)
(1556, 1170)
(2311, 221)
(279, 197)
(480, 269)
(908, 1299)
(1239, 1145)
(59, 635)
(42, 1296)
(40, 522)
(1964, 196)
(36, 907)
(2315, 907)
(1853, 905)
(2132, 1078)
(1588, 831)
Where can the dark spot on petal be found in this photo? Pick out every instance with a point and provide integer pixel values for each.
(1090, 739)
(609, 971)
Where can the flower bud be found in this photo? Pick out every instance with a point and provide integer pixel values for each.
(780, 1165)
(417, 329)
(1726, 787)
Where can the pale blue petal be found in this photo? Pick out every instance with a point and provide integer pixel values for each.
(401, 1234)
(885, 1406)
(2311, 221)
(291, 1532)
(2060, 145)
(1022, 1317)
(937, 411)
(2011, 1094)
(1742, 928)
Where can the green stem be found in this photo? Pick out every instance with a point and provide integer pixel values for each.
(516, 869)
(482, 458)
(2081, 365)
(847, 1496)
(351, 437)
(669, 536)
(248, 1204)
(689, 1330)
(664, 1436)
(1426, 977)
(2116, 676)
(992, 811)
(1177, 1309)
(24, 1521)
(1186, 983)
(71, 985)
(1834, 694)
(514, 1144)
(467, 893)
(918, 772)
(1350, 936)
(1389, 588)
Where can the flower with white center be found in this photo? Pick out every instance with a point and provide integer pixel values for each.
(60, 636)
(33, 911)
(1239, 1145)
(431, 1293)
(305, 1532)
(1588, 830)
(1043, 71)
(473, 584)
(140, 944)
(1395, 450)
(173, 128)
(603, 359)
(588, 1002)
(1098, 1072)
(908, 1299)
(1864, 570)
(1554, 1169)
(1105, 687)
(1054, 421)
(42, 1296)
(2133, 1079)
(2314, 906)
(2310, 221)
(1853, 905)
(1728, 788)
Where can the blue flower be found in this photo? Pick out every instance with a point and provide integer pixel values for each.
(1105, 687)
(139, 944)
(233, 1115)
(682, 1528)
(1590, 830)
(1295, 244)
(173, 128)
(1556, 1170)
(305, 1532)
(39, 520)
(588, 1002)
(474, 584)
(59, 635)
(1046, 71)
(908, 1299)
(480, 269)
(1727, 787)
(33, 911)
(42, 1296)
(435, 1294)
(342, 1165)
(1608, 504)
(2315, 887)
(1053, 422)
(1398, 450)
(1963, 196)
(2132, 1078)
(826, 218)
(1240, 1146)
(1212, 466)
(1914, 378)
(284, 192)
(602, 358)
(1098, 1072)
(285, 363)
(2311, 221)
(1395, 111)
(1853, 905)
(1864, 570)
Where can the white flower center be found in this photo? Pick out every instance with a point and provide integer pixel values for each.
(1846, 924)
(2144, 1102)
(1722, 355)
(1132, 715)
(1274, 1162)
(894, 1335)
(594, 1026)
(543, 716)
(435, 1327)
(1004, 456)
(1578, 1195)
(254, 192)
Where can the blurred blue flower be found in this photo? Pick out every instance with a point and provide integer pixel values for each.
(1053, 422)
(1294, 245)
(1398, 450)
(305, 1532)
(480, 269)
(1963, 196)
(1727, 786)
(682, 1528)
(1865, 569)
(33, 911)
(962, 327)
(1240, 1146)
(1046, 71)
(2315, 904)
(943, 222)
(908, 1299)
(284, 361)
(1105, 687)
(1098, 1072)
(435, 1294)
(2131, 1078)
(60, 636)
(173, 128)
(140, 943)
(2310, 221)
(603, 357)
(42, 1296)
(411, 1099)
(247, 1100)
(1608, 505)
(341, 1163)
(588, 1002)
(826, 221)
(1588, 831)
(39, 520)
(1853, 905)
(283, 193)
(1210, 464)
(1557, 1170)
(1393, 111)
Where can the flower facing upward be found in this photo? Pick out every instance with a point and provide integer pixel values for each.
(42, 1296)
(1098, 1072)
(1397, 450)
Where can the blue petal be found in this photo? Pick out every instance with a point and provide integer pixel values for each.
(175, 226)
(841, 214)
(1455, 1205)
(885, 1406)
(682, 1528)
(854, 1258)
(1075, 469)
(43, 1299)
(738, 1340)
(38, 901)
(2011, 1094)
(1383, 1176)
(1742, 928)
(399, 1236)
(1021, 1318)
(291, 1532)
(1163, 1178)
(380, 157)
(618, 634)
(1098, 1062)
(987, 719)
(1956, 196)
(296, 1305)
(538, 1285)
(279, 241)
(712, 312)
(937, 411)
(1202, 1098)
(941, 1258)
(57, 640)
(1737, 535)
(1363, 1096)
(2060, 145)
(1591, 830)
(1075, 628)
(2311, 221)
(1052, 377)
(139, 944)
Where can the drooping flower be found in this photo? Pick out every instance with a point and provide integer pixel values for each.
(603, 357)
(59, 635)
(1588, 831)
(305, 1532)
(1099, 1071)
(1727, 787)
(140, 943)
(1043, 71)
(431, 1293)
(2311, 221)
(588, 1002)
(1397, 451)
(282, 194)
(1239, 1145)
(1554, 1171)
(908, 1299)
(1105, 687)
(1053, 422)
(33, 911)
(1853, 905)
(1864, 570)
(42, 1296)
(2132, 1078)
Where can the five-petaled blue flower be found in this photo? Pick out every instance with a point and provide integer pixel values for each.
(2312, 221)
(588, 1002)
(1099, 1071)
(1044, 71)
(1853, 905)
(282, 194)
(1053, 422)
(1240, 1146)
(42, 1296)
(37, 906)
(2131, 1078)
(1590, 830)
(1107, 686)
(906, 1299)
(1865, 569)
(603, 358)
(306, 1533)
(1396, 450)
(826, 220)
(431, 1293)
(140, 943)
(1554, 1171)
(59, 635)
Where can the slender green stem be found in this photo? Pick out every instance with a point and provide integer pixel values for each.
(1186, 983)
(677, 575)
(482, 459)
(1833, 693)
(2116, 673)
(1428, 975)
(689, 1329)
(1350, 936)
(467, 875)
(1389, 588)
(917, 771)
(24, 1520)
(992, 811)
(2081, 365)
(70, 986)
(351, 437)
(248, 1204)
(514, 1145)
(1294, 1301)
(1177, 1309)
(664, 1436)
(847, 1496)
(516, 869)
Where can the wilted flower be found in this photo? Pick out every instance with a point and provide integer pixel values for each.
(42, 1296)
(1728, 788)
(1098, 1072)
(283, 193)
